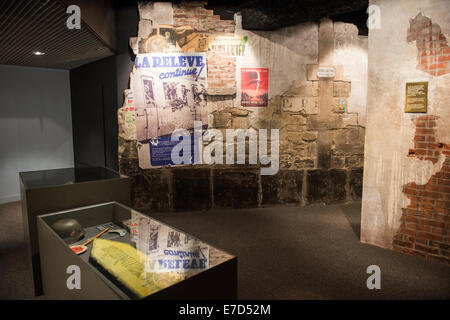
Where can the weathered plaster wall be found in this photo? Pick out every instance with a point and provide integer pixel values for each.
(350, 51)
(288, 51)
(423, 228)
(321, 149)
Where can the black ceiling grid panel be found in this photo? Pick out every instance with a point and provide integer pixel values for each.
(27, 26)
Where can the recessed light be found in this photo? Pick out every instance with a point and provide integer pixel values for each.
(38, 53)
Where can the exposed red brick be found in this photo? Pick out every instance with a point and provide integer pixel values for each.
(425, 223)
(403, 243)
(221, 67)
(432, 46)
(426, 249)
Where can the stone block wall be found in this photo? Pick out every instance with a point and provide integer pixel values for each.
(321, 148)
(205, 187)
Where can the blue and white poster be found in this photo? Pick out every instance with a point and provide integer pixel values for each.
(169, 94)
(161, 150)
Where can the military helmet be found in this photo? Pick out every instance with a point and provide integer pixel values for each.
(70, 230)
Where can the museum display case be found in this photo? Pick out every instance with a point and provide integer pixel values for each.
(120, 253)
(48, 191)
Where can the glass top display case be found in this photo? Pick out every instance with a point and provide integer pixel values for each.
(128, 255)
(46, 191)
(65, 176)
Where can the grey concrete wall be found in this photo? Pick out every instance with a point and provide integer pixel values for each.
(390, 131)
(35, 124)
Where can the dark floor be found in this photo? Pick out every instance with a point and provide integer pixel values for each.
(284, 253)
(311, 252)
(15, 275)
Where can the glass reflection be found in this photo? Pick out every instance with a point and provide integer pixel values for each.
(166, 249)
(65, 176)
(154, 257)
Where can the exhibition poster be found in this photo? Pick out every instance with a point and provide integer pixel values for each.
(169, 91)
(254, 87)
(161, 150)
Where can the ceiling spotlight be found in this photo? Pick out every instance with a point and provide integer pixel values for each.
(38, 53)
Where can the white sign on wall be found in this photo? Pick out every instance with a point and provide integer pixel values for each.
(325, 72)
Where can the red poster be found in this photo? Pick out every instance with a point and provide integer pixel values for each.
(254, 87)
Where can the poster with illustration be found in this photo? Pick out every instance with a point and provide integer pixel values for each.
(254, 87)
(169, 93)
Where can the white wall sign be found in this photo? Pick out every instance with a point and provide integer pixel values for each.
(323, 72)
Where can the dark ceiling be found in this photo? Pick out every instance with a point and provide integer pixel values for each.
(40, 25)
(272, 14)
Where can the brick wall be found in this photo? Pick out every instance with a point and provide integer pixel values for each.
(425, 223)
(425, 144)
(433, 52)
(221, 66)
(193, 13)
